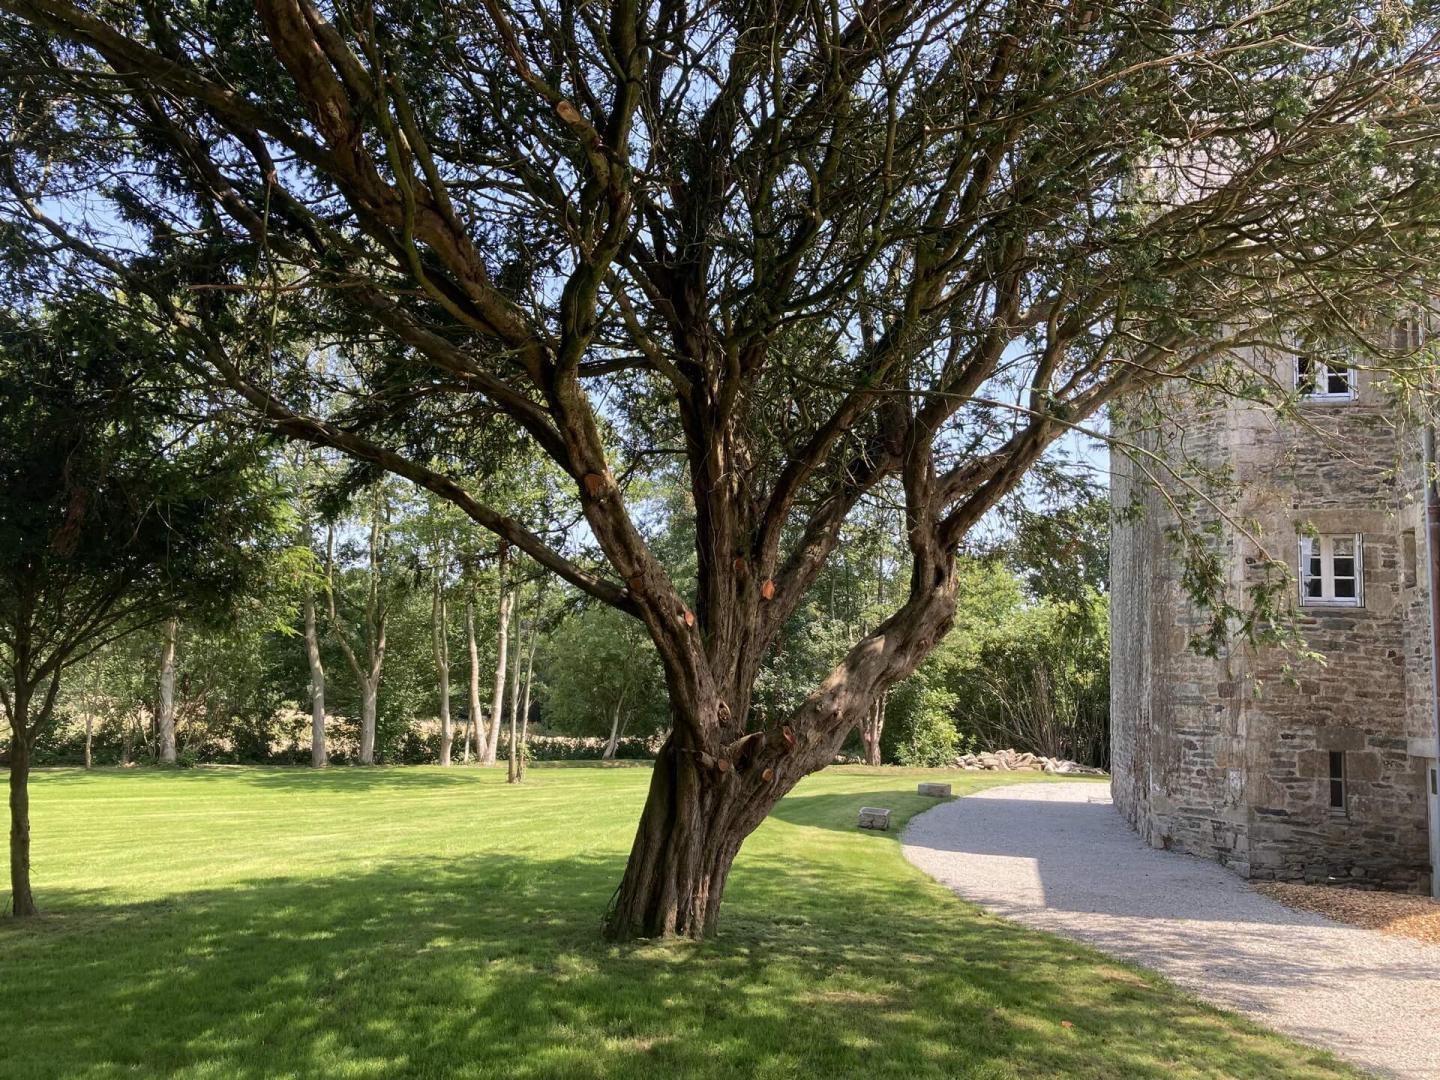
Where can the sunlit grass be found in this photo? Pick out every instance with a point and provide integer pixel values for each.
(422, 922)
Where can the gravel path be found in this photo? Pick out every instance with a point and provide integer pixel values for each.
(1059, 858)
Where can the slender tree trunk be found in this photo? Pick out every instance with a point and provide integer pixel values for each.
(497, 700)
(512, 772)
(89, 738)
(871, 728)
(525, 697)
(614, 739)
(319, 757)
(22, 900)
(369, 691)
(477, 722)
(166, 713)
(442, 668)
(127, 743)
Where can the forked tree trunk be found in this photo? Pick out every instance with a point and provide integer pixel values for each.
(477, 722)
(614, 739)
(704, 800)
(166, 713)
(319, 755)
(22, 900)
(369, 691)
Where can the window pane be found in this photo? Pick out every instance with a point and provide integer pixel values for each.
(1337, 794)
(1343, 545)
(1305, 375)
(1344, 588)
(1338, 381)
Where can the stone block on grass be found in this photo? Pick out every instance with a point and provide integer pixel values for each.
(873, 817)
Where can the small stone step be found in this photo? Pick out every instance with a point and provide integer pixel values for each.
(873, 817)
(939, 791)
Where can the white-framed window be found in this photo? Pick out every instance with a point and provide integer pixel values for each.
(1332, 570)
(1323, 380)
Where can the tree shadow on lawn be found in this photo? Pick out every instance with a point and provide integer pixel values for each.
(492, 966)
(284, 777)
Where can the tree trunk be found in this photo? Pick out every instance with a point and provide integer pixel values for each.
(871, 728)
(687, 840)
(369, 691)
(706, 798)
(442, 668)
(319, 757)
(476, 725)
(89, 737)
(614, 727)
(525, 698)
(22, 900)
(512, 772)
(497, 700)
(166, 713)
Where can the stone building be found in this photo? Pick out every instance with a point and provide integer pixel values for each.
(1328, 775)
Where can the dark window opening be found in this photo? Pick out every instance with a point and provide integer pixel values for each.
(1337, 780)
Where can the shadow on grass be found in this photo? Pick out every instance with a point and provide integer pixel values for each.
(290, 777)
(492, 966)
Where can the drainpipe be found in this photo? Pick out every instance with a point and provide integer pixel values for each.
(1432, 557)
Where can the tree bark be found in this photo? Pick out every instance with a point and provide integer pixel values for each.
(22, 900)
(319, 756)
(525, 697)
(477, 722)
(369, 691)
(89, 738)
(706, 798)
(609, 752)
(687, 839)
(442, 666)
(497, 700)
(871, 728)
(512, 772)
(166, 713)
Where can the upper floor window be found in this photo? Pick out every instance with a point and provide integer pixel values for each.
(1331, 570)
(1324, 380)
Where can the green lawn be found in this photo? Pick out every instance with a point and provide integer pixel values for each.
(422, 922)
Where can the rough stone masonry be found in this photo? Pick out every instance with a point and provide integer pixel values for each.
(1279, 768)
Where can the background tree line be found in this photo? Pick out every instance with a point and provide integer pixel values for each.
(1029, 670)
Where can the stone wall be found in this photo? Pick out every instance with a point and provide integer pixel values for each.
(1229, 758)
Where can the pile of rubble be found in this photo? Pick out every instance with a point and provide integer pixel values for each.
(1015, 761)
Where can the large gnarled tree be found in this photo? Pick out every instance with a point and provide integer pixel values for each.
(811, 250)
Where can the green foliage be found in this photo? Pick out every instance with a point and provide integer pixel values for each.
(924, 719)
(596, 667)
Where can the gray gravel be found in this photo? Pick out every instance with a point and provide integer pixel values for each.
(1058, 857)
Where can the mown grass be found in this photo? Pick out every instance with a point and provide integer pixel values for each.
(245, 923)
